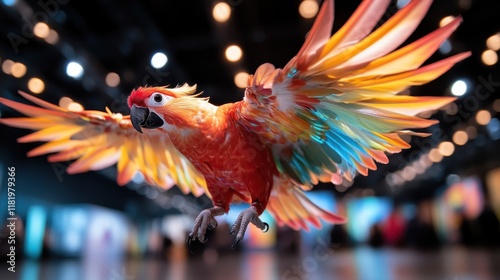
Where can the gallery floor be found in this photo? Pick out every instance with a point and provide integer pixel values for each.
(453, 263)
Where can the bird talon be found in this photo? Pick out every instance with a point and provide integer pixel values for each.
(205, 239)
(235, 243)
(188, 243)
(212, 225)
(266, 227)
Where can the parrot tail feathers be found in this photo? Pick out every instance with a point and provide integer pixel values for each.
(290, 206)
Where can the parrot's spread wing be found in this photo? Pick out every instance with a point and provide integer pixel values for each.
(332, 111)
(96, 140)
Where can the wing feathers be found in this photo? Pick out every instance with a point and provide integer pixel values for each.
(320, 31)
(360, 24)
(332, 112)
(290, 206)
(97, 140)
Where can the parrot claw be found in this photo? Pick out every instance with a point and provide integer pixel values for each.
(235, 243)
(212, 225)
(240, 225)
(188, 244)
(205, 221)
(266, 227)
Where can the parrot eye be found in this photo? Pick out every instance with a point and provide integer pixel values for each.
(157, 98)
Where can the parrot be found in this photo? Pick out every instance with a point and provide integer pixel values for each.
(331, 113)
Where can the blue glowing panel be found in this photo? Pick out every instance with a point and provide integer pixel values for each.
(365, 212)
(35, 231)
(68, 230)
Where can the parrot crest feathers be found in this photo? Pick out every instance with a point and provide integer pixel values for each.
(139, 95)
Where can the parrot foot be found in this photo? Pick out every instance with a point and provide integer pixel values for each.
(240, 225)
(205, 221)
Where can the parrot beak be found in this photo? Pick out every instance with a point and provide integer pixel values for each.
(142, 117)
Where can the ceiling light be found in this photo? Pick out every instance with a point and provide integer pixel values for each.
(459, 88)
(159, 60)
(74, 70)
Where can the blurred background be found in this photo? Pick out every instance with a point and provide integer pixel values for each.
(431, 213)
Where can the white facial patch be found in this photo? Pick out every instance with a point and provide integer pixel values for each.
(158, 99)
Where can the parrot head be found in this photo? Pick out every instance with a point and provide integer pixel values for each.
(153, 107)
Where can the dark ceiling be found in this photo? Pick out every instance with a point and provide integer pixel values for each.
(121, 36)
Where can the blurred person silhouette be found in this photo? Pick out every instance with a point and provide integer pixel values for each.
(467, 230)
(420, 232)
(339, 238)
(489, 226)
(375, 237)
(288, 241)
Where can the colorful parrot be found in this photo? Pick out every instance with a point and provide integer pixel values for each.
(330, 113)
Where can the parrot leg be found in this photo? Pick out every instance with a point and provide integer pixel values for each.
(246, 217)
(204, 221)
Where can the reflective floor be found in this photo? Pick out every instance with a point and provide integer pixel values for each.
(321, 263)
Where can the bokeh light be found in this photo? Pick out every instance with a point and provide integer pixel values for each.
(7, 66)
(445, 47)
(493, 42)
(112, 79)
(459, 88)
(446, 148)
(446, 20)
(74, 70)
(483, 117)
(308, 8)
(9, 2)
(435, 155)
(41, 29)
(460, 137)
(496, 105)
(36, 85)
(221, 12)
(233, 53)
(18, 70)
(52, 38)
(401, 3)
(240, 79)
(64, 102)
(75, 107)
(158, 60)
(489, 57)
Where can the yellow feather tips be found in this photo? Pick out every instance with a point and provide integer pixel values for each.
(97, 140)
